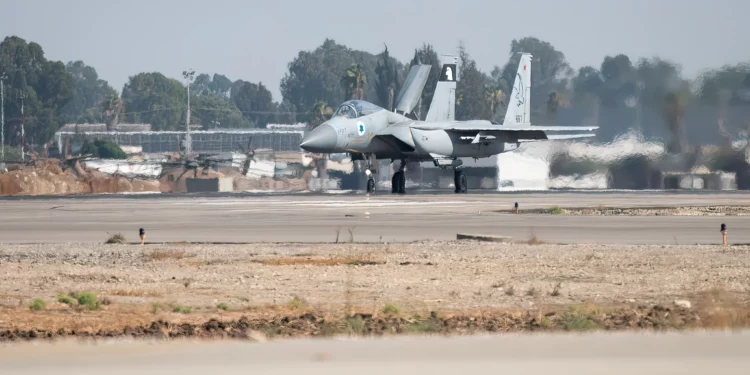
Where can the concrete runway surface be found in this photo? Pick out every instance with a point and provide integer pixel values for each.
(600, 353)
(386, 218)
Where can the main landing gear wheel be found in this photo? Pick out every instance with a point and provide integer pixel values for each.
(459, 179)
(370, 186)
(398, 183)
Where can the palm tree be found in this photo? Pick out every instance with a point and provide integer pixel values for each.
(495, 99)
(354, 81)
(112, 107)
(319, 114)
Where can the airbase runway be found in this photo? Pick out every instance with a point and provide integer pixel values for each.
(380, 218)
(601, 353)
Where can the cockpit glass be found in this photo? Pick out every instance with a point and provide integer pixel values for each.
(356, 109)
(346, 110)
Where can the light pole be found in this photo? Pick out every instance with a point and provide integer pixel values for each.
(3, 77)
(22, 96)
(188, 74)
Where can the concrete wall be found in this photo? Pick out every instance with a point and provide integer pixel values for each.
(209, 185)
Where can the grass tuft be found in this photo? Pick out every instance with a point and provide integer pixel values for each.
(576, 321)
(37, 305)
(166, 255)
(65, 299)
(297, 303)
(556, 291)
(223, 306)
(182, 309)
(390, 309)
(355, 325)
(555, 210)
(116, 239)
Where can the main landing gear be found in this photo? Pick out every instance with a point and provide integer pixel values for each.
(459, 180)
(398, 182)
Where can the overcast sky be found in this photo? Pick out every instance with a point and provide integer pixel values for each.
(255, 40)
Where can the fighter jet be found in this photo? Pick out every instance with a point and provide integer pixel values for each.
(369, 132)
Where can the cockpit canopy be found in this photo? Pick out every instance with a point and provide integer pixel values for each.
(356, 109)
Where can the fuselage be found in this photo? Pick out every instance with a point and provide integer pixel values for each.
(389, 135)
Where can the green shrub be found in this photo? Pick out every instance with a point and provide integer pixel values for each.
(90, 300)
(65, 299)
(103, 149)
(117, 238)
(37, 304)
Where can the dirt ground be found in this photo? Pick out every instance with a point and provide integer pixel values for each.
(136, 286)
(652, 211)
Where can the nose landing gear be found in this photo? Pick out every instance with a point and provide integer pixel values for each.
(370, 182)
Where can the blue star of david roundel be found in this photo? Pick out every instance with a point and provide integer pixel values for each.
(361, 128)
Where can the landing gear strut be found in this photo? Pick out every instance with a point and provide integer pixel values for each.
(459, 179)
(398, 182)
(369, 173)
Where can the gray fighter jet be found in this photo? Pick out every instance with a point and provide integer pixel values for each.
(369, 132)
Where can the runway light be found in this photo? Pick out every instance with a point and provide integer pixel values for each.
(724, 234)
(516, 207)
(142, 234)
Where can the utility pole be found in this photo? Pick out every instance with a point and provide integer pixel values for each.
(3, 77)
(22, 95)
(188, 74)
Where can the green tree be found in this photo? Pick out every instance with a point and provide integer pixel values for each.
(387, 83)
(426, 55)
(550, 70)
(286, 113)
(212, 112)
(254, 101)
(218, 85)
(157, 100)
(89, 92)
(728, 85)
(46, 85)
(471, 91)
(316, 75)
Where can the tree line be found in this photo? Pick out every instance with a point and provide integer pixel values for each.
(620, 93)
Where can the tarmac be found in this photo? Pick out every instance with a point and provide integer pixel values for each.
(380, 218)
(599, 353)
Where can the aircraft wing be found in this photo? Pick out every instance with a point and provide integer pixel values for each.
(480, 129)
(486, 126)
(553, 137)
(410, 93)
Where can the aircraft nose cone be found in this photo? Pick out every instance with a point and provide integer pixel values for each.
(321, 139)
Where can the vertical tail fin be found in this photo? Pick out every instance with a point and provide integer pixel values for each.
(410, 93)
(443, 105)
(519, 106)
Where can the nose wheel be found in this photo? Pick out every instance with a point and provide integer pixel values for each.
(370, 180)
(459, 180)
(370, 185)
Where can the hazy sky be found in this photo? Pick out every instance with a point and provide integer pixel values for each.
(255, 40)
